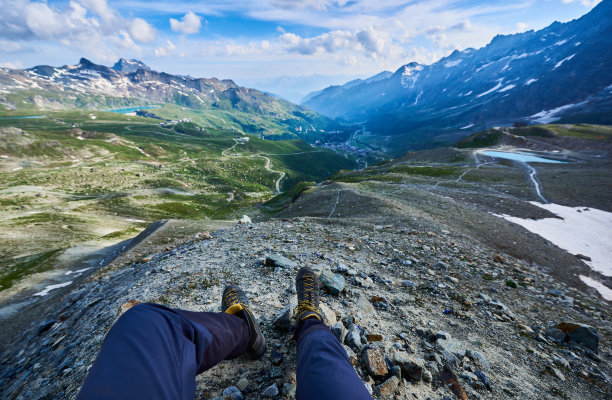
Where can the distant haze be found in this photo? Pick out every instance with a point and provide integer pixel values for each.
(295, 88)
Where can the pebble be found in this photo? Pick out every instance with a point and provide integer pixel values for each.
(232, 393)
(276, 358)
(483, 378)
(555, 372)
(243, 384)
(270, 391)
(341, 268)
(289, 390)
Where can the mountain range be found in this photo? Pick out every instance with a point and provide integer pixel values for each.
(220, 104)
(560, 73)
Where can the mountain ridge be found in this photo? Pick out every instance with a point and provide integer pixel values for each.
(562, 70)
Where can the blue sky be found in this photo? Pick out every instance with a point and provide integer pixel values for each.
(260, 39)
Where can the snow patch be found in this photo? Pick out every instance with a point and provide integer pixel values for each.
(77, 272)
(505, 89)
(453, 63)
(562, 61)
(603, 290)
(560, 42)
(581, 230)
(494, 88)
(530, 81)
(548, 116)
(49, 288)
(467, 126)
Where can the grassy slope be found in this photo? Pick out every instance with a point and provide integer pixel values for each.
(491, 137)
(71, 178)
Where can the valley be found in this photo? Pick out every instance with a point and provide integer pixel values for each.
(76, 182)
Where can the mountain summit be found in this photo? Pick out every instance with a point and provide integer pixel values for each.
(132, 65)
(562, 71)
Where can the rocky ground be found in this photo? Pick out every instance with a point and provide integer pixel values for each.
(424, 311)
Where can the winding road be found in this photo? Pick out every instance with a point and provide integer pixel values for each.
(267, 164)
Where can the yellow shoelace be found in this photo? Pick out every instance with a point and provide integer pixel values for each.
(305, 305)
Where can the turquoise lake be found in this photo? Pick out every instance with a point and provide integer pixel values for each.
(524, 157)
(131, 109)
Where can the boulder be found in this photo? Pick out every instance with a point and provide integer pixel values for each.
(353, 337)
(374, 363)
(581, 334)
(245, 220)
(412, 367)
(387, 389)
(276, 260)
(329, 316)
(339, 331)
(334, 283)
(283, 320)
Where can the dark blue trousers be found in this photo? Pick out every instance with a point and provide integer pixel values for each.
(154, 352)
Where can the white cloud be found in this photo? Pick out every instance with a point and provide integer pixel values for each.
(371, 42)
(305, 4)
(586, 3)
(44, 22)
(10, 46)
(12, 65)
(521, 26)
(101, 9)
(165, 51)
(190, 23)
(142, 31)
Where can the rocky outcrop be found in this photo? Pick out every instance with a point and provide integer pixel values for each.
(456, 330)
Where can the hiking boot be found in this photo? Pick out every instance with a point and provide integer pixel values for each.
(234, 302)
(307, 286)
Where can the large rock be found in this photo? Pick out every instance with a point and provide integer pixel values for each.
(581, 334)
(277, 260)
(374, 363)
(353, 337)
(339, 331)
(451, 345)
(412, 367)
(387, 388)
(283, 321)
(329, 316)
(334, 283)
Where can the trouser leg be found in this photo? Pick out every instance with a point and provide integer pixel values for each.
(324, 371)
(154, 352)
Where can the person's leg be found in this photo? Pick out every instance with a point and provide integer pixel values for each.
(154, 352)
(323, 368)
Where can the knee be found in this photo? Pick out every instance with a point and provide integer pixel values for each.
(141, 315)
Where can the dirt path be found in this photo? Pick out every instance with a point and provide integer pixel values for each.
(268, 163)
